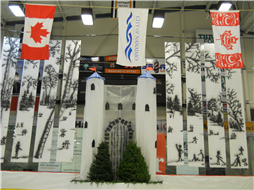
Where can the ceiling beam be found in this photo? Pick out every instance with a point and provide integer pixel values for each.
(248, 29)
(208, 5)
(61, 10)
(243, 21)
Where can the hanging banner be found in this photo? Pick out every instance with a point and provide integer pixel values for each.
(9, 83)
(226, 32)
(215, 121)
(132, 36)
(161, 154)
(67, 115)
(25, 112)
(46, 112)
(174, 104)
(236, 120)
(38, 25)
(196, 152)
(120, 4)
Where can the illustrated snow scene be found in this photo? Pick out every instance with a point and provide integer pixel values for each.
(8, 64)
(194, 105)
(25, 112)
(67, 116)
(46, 111)
(215, 121)
(174, 104)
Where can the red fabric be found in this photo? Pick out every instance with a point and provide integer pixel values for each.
(93, 69)
(34, 53)
(225, 18)
(149, 68)
(40, 11)
(228, 61)
(161, 153)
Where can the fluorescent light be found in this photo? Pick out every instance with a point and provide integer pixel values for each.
(158, 22)
(16, 10)
(87, 16)
(95, 58)
(158, 19)
(225, 6)
(149, 60)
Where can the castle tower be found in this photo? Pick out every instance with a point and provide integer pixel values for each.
(93, 132)
(146, 120)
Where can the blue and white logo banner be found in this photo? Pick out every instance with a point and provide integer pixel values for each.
(132, 24)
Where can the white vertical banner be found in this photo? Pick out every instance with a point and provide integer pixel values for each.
(46, 111)
(67, 115)
(25, 112)
(146, 120)
(132, 24)
(196, 152)
(236, 120)
(93, 132)
(174, 104)
(215, 121)
(8, 79)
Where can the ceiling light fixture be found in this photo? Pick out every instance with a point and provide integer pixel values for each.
(158, 19)
(225, 6)
(16, 8)
(87, 16)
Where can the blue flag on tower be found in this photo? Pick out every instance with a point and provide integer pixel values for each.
(132, 24)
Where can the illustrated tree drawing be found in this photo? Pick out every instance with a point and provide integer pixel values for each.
(173, 49)
(49, 81)
(170, 104)
(27, 98)
(193, 61)
(176, 104)
(74, 87)
(234, 111)
(212, 72)
(194, 104)
(170, 88)
(72, 56)
(212, 105)
(9, 62)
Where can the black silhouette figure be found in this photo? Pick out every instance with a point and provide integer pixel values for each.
(194, 140)
(191, 128)
(17, 149)
(245, 162)
(237, 161)
(16, 85)
(219, 158)
(211, 132)
(194, 158)
(170, 129)
(24, 131)
(241, 150)
(3, 140)
(180, 152)
(65, 144)
(63, 131)
(233, 136)
(202, 155)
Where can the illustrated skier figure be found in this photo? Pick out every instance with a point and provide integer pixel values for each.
(245, 162)
(63, 131)
(191, 128)
(202, 155)
(237, 161)
(194, 158)
(180, 152)
(194, 140)
(219, 158)
(233, 136)
(65, 144)
(241, 150)
(3, 140)
(17, 148)
(170, 129)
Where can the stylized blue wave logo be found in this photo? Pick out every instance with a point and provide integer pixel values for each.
(128, 49)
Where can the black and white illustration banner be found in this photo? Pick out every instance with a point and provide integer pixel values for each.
(174, 104)
(236, 120)
(46, 111)
(25, 112)
(196, 153)
(67, 115)
(215, 121)
(8, 80)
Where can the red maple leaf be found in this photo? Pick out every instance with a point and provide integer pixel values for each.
(37, 32)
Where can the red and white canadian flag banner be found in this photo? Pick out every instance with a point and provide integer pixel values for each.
(38, 25)
(226, 33)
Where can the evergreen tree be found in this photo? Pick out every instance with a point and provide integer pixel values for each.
(170, 104)
(176, 104)
(101, 168)
(133, 167)
(190, 109)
